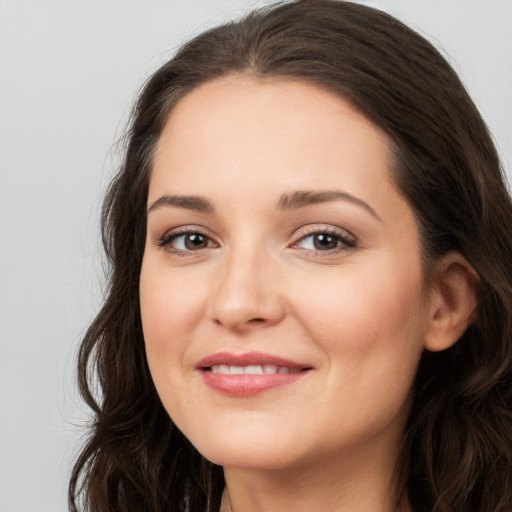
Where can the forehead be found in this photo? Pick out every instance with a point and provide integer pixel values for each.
(261, 106)
(240, 135)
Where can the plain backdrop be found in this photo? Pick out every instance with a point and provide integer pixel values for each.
(69, 71)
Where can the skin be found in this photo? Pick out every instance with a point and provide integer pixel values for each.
(358, 315)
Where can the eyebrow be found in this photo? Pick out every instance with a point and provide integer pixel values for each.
(292, 201)
(304, 198)
(195, 203)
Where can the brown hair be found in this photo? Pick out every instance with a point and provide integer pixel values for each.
(457, 455)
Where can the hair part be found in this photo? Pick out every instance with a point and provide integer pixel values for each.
(457, 454)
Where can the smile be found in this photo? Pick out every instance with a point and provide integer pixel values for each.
(249, 374)
(258, 369)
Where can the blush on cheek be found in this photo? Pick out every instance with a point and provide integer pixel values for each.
(367, 321)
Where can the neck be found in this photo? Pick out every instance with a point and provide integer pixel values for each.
(367, 484)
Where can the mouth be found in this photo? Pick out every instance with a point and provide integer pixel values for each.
(257, 369)
(249, 374)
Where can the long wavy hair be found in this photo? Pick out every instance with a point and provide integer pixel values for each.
(457, 452)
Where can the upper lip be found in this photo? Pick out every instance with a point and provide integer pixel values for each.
(248, 359)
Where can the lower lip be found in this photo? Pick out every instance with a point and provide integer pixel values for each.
(248, 384)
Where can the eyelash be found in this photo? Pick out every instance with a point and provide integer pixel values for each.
(345, 241)
(166, 241)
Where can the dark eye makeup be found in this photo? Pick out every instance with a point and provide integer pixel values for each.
(327, 241)
(185, 241)
(188, 240)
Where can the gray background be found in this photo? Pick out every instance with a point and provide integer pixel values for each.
(69, 71)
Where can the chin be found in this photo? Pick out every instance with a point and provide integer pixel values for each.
(248, 449)
(248, 459)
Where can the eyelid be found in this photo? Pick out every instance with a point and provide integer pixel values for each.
(165, 240)
(348, 239)
(186, 228)
(311, 229)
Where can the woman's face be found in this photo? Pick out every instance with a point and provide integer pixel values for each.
(282, 294)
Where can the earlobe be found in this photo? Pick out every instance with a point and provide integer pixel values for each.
(453, 301)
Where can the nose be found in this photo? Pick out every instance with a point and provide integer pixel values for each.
(246, 292)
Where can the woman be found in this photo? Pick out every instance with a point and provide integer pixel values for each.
(310, 298)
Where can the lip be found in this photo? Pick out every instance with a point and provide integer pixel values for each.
(248, 358)
(249, 384)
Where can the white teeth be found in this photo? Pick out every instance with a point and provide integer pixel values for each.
(257, 369)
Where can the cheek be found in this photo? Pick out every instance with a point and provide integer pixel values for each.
(165, 313)
(370, 323)
(371, 331)
(169, 306)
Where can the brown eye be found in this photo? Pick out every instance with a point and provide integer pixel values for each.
(194, 241)
(323, 241)
(186, 242)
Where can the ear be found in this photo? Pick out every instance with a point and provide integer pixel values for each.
(453, 301)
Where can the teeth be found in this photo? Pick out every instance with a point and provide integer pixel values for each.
(257, 369)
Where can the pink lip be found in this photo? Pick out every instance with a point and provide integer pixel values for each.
(248, 384)
(247, 359)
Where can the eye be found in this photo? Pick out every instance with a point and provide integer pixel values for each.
(325, 241)
(185, 242)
